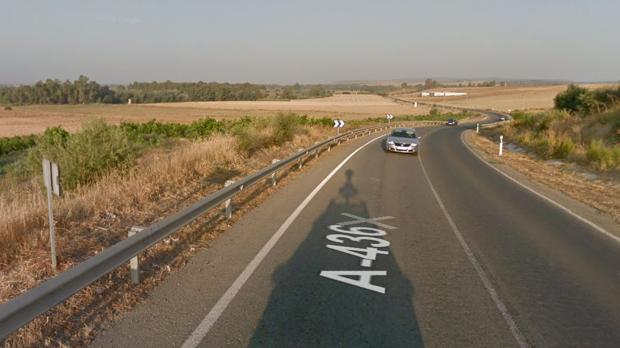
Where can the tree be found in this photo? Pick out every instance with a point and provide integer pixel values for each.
(571, 99)
(404, 85)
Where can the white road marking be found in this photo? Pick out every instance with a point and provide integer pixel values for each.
(205, 325)
(514, 329)
(372, 221)
(364, 280)
(565, 209)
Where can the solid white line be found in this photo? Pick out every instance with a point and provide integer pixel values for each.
(514, 329)
(565, 209)
(205, 325)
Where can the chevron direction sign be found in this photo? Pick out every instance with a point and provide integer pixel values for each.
(338, 123)
(389, 116)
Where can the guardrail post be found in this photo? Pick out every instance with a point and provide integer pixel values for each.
(274, 175)
(228, 203)
(134, 267)
(501, 144)
(300, 161)
(477, 127)
(317, 151)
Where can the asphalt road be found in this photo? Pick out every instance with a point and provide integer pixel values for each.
(492, 265)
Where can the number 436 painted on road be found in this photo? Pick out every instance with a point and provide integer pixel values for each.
(372, 238)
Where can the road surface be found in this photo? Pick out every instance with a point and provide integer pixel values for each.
(392, 250)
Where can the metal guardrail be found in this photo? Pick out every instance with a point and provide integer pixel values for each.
(24, 308)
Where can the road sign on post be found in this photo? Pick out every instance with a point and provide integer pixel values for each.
(338, 124)
(389, 118)
(51, 178)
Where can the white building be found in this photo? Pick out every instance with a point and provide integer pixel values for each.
(442, 94)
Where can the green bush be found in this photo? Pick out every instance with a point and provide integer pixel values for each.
(603, 157)
(571, 99)
(17, 143)
(579, 100)
(285, 126)
(205, 127)
(543, 147)
(323, 121)
(267, 132)
(153, 132)
(251, 140)
(563, 148)
(99, 147)
(83, 156)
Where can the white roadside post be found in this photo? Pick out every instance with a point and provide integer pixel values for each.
(51, 178)
(300, 161)
(228, 203)
(274, 175)
(134, 267)
(501, 144)
(477, 127)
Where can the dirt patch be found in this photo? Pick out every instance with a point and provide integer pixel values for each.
(603, 195)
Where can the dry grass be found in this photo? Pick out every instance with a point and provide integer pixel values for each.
(23, 120)
(603, 195)
(92, 218)
(498, 98)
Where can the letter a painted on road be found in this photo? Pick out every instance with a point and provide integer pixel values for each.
(363, 281)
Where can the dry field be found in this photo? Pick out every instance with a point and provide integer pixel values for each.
(498, 98)
(24, 120)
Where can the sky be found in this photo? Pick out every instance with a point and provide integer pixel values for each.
(312, 41)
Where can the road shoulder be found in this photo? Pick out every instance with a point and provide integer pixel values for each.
(593, 200)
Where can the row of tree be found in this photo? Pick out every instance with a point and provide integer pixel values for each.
(430, 84)
(51, 91)
(582, 101)
(84, 91)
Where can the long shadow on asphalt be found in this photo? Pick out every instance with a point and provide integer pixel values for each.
(307, 310)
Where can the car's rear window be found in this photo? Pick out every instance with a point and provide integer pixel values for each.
(401, 133)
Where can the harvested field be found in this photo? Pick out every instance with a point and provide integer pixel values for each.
(498, 98)
(24, 120)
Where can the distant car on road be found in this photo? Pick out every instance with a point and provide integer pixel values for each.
(452, 122)
(402, 140)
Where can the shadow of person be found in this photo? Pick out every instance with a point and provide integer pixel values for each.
(307, 310)
(348, 191)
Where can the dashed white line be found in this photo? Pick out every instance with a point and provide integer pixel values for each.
(205, 325)
(512, 325)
